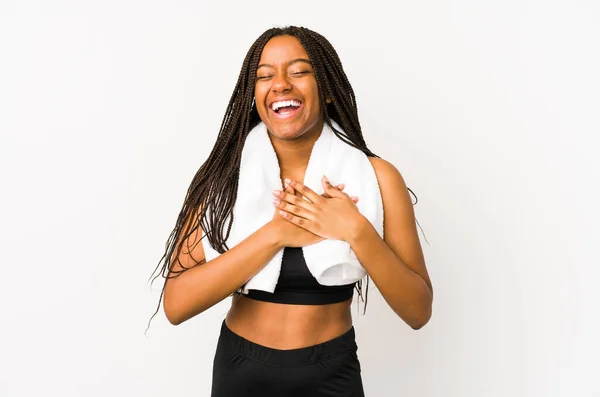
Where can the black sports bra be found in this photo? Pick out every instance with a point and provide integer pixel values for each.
(297, 286)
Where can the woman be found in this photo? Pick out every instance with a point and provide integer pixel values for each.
(299, 340)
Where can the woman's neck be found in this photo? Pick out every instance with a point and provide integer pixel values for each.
(293, 155)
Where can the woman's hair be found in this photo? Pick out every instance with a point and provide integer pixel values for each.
(213, 191)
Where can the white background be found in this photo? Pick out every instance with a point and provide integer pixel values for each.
(489, 110)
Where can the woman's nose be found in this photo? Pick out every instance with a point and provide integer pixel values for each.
(281, 83)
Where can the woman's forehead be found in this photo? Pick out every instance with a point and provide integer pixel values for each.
(282, 49)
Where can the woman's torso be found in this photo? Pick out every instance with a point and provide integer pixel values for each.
(285, 326)
(289, 326)
(299, 313)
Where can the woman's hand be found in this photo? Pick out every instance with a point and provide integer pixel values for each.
(291, 235)
(331, 216)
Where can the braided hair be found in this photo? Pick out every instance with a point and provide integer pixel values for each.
(212, 193)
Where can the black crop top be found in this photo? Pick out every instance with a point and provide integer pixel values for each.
(297, 286)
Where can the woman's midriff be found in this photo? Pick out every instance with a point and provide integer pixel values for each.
(282, 326)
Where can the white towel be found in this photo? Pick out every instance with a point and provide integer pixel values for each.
(331, 262)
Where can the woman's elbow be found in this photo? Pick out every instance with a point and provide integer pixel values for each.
(174, 307)
(420, 321)
(421, 313)
(173, 315)
(177, 310)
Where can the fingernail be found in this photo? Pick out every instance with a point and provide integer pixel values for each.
(341, 186)
(276, 201)
(287, 181)
(276, 193)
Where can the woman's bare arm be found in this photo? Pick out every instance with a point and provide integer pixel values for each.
(396, 263)
(202, 286)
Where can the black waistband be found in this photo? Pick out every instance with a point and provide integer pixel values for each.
(324, 297)
(305, 355)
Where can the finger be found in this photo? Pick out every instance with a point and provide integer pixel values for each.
(340, 187)
(305, 191)
(293, 204)
(288, 189)
(329, 188)
(293, 198)
(297, 220)
(354, 199)
(293, 209)
(286, 186)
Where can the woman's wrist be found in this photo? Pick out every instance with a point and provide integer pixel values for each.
(358, 226)
(271, 235)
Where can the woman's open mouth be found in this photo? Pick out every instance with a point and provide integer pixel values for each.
(285, 109)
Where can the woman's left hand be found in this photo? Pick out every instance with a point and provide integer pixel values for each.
(335, 217)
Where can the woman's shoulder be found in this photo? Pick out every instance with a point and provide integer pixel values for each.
(388, 176)
(395, 195)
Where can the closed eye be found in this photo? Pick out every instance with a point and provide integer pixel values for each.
(299, 73)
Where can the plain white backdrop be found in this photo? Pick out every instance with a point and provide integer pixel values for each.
(489, 110)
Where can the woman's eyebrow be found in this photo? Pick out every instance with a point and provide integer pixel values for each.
(293, 61)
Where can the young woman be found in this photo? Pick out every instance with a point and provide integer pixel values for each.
(298, 340)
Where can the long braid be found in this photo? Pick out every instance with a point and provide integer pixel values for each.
(212, 193)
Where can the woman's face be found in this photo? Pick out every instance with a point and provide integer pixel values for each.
(286, 93)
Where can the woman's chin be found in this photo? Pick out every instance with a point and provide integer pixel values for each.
(287, 134)
(292, 131)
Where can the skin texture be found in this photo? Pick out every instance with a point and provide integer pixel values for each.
(395, 263)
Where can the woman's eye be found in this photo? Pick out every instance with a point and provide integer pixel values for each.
(301, 72)
(263, 77)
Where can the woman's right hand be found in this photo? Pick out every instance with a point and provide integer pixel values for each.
(290, 235)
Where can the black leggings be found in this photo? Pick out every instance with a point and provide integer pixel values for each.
(243, 368)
